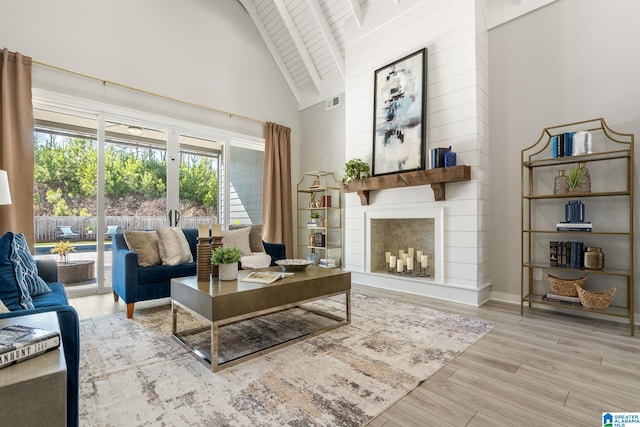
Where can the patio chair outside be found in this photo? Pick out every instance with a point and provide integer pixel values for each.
(111, 230)
(65, 232)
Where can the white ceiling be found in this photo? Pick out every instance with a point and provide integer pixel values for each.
(307, 38)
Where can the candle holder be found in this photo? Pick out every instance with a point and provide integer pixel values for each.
(216, 242)
(203, 266)
(424, 271)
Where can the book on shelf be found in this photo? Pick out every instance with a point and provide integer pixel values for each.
(549, 296)
(19, 343)
(566, 254)
(553, 254)
(266, 276)
(327, 263)
(574, 226)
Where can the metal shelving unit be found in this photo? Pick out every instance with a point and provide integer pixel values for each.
(613, 155)
(319, 192)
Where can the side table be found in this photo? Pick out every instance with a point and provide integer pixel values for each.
(34, 392)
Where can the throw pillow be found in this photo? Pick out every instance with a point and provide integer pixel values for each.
(145, 244)
(14, 295)
(255, 236)
(238, 238)
(22, 259)
(173, 246)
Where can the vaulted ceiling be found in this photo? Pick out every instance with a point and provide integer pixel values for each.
(307, 38)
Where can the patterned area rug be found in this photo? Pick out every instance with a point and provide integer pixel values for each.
(134, 373)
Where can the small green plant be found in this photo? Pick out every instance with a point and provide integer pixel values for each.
(355, 169)
(573, 177)
(315, 215)
(226, 255)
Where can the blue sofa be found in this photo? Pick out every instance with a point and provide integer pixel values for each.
(133, 283)
(56, 301)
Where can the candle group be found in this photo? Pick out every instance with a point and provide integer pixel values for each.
(406, 260)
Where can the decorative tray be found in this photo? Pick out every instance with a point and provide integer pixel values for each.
(294, 264)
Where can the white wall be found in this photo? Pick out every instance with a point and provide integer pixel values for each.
(204, 52)
(455, 35)
(571, 60)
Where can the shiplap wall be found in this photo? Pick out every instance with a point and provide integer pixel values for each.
(457, 115)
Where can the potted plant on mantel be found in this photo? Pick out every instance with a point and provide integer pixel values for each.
(355, 169)
(227, 258)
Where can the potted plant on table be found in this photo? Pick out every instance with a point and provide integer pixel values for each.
(227, 258)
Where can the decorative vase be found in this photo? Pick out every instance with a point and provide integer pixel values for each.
(593, 258)
(560, 184)
(314, 258)
(450, 158)
(228, 271)
(584, 185)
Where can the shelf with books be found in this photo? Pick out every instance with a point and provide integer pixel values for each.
(609, 192)
(319, 216)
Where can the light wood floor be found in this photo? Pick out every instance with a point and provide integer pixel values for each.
(534, 370)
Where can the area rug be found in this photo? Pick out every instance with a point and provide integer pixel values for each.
(134, 373)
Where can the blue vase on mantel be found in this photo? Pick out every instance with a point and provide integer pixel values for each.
(450, 158)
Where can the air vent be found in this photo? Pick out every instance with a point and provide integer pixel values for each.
(333, 102)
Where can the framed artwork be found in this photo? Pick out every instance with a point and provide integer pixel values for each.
(399, 120)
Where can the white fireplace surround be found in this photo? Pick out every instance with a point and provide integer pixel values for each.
(436, 214)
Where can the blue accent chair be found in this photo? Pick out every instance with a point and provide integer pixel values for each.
(57, 301)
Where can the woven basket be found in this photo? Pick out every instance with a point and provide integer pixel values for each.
(565, 287)
(596, 299)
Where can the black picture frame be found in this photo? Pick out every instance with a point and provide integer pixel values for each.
(399, 115)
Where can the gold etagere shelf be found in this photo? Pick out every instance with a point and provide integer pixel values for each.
(614, 150)
(319, 216)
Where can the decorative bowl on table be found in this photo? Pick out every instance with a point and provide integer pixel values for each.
(292, 265)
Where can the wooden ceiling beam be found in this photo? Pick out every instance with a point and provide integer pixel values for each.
(253, 13)
(328, 36)
(299, 43)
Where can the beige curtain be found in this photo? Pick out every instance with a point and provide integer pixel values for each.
(16, 143)
(277, 222)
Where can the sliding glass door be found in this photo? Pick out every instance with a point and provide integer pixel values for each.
(102, 172)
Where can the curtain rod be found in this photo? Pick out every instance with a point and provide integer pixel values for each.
(146, 92)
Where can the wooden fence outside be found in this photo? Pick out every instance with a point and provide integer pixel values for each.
(46, 226)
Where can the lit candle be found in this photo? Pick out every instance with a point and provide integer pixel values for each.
(217, 230)
(404, 258)
(203, 230)
(392, 261)
(424, 261)
(387, 255)
(410, 264)
(418, 255)
(410, 252)
(399, 266)
(400, 252)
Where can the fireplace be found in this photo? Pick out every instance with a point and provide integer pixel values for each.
(389, 232)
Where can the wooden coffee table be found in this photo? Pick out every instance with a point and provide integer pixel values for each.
(224, 302)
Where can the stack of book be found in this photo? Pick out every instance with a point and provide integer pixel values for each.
(566, 254)
(19, 343)
(327, 263)
(561, 298)
(574, 226)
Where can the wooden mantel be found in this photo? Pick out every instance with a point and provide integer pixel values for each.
(437, 178)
